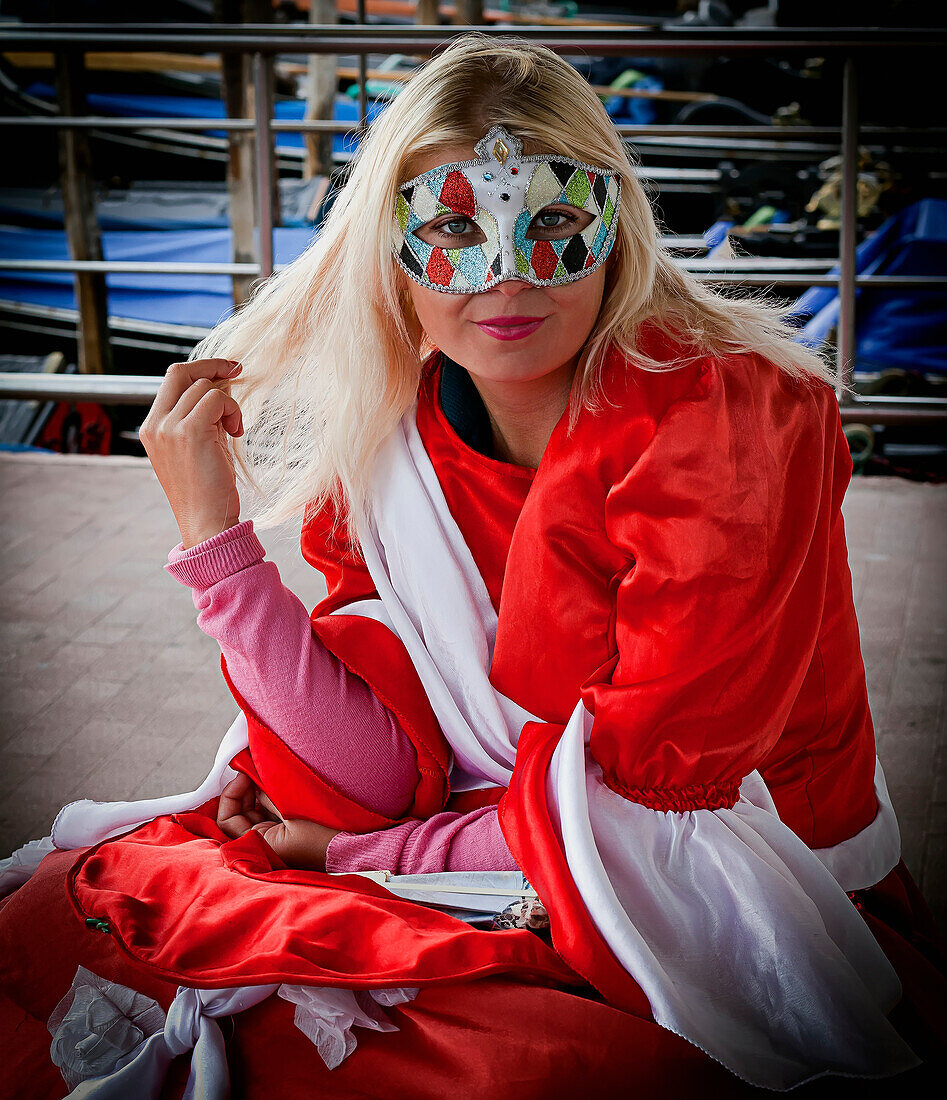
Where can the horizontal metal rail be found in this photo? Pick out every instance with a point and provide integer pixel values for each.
(283, 125)
(106, 389)
(136, 389)
(63, 315)
(309, 38)
(746, 270)
(107, 122)
(266, 41)
(156, 267)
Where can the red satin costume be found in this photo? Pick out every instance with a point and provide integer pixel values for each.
(678, 561)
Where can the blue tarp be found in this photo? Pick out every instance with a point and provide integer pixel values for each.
(906, 329)
(174, 106)
(173, 299)
(895, 328)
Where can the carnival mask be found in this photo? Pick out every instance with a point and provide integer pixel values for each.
(463, 228)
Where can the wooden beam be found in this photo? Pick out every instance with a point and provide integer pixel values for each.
(321, 85)
(124, 62)
(425, 13)
(234, 74)
(468, 13)
(82, 227)
(256, 12)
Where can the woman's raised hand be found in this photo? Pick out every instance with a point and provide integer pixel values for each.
(184, 436)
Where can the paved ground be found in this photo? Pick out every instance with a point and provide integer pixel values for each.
(109, 690)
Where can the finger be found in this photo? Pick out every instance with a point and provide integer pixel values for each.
(256, 816)
(232, 422)
(234, 826)
(234, 796)
(209, 410)
(181, 375)
(271, 831)
(193, 396)
(264, 802)
(239, 785)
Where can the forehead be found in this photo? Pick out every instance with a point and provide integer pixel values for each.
(457, 154)
(434, 158)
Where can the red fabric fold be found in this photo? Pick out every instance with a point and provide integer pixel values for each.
(190, 905)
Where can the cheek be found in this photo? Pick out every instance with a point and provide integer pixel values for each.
(439, 313)
(581, 301)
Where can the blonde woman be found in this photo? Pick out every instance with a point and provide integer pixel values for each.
(589, 617)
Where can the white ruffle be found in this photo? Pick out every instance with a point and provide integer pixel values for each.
(111, 1042)
(869, 855)
(742, 939)
(136, 1063)
(19, 867)
(327, 1016)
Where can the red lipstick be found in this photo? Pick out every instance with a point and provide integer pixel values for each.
(513, 327)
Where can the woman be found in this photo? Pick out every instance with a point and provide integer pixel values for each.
(589, 616)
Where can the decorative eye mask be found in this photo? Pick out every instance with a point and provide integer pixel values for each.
(463, 228)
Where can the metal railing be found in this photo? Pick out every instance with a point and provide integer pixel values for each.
(262, 43)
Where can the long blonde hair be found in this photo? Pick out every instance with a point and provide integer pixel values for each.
(330, 345)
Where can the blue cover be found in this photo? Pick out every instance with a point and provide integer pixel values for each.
(173, 106)
(201, 300)
(894, 328)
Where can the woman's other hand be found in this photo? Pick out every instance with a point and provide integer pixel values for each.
(240, 807)
(184, 436)
(297, 842)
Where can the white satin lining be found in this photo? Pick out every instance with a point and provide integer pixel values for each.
(741, 940)
(869, 855)
(740, 937)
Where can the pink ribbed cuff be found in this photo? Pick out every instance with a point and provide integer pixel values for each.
(378, 851)
(213, 559)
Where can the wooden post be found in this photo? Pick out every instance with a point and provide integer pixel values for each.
(321, 85)
(848, 235)
(239, 100)
(82, 226)
(234, 73)
(468, 13)
(261, 11)
(426, 14)
(266, 202)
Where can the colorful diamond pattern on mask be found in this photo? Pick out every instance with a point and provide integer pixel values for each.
(472, 268)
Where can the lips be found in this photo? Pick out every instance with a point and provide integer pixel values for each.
(512, 327)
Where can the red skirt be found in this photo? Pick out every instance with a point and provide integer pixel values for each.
(519, 1026)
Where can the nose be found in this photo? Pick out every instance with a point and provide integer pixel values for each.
(511, 287)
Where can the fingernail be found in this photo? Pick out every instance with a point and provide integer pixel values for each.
(235, 366)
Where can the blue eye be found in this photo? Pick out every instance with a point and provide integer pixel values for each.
(455, 231)
(557, 224)
(456, 227)
(550, 219)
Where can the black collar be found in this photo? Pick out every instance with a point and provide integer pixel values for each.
(464, 408)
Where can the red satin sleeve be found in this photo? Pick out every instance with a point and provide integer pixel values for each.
(725, 519)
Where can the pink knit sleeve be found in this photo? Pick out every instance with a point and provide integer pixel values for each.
(445, 842)
(326, 715)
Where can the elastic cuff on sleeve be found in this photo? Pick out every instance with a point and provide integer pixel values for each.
(218, 557)
(377, 851)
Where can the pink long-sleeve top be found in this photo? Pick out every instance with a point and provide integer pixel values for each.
(329, 717)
